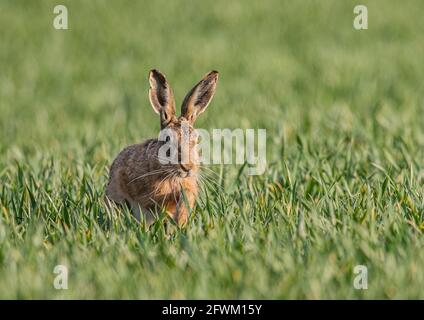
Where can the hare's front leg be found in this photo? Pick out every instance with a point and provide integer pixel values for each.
(180, 210)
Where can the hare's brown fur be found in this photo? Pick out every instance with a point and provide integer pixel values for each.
(140, 179)
(153, 191)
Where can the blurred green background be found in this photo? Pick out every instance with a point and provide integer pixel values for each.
(343, 111)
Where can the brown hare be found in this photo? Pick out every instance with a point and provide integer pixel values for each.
(139, 178)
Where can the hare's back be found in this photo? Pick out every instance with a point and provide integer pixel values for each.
(130, 162)
(132, 157)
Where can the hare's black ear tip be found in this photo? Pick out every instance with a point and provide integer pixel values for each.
(153, 72)
(157, 75)
(213, 74)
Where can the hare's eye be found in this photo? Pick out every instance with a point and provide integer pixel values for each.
(168, 138)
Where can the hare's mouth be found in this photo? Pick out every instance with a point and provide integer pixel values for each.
(184, 171)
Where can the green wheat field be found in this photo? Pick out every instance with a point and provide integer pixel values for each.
(344, 182)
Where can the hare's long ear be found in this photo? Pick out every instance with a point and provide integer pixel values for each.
(197, 100)
(161, 97)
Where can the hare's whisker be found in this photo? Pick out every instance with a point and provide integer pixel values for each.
(148, 174)
(211, 182)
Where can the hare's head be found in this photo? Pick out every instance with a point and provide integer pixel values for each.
(178, 151)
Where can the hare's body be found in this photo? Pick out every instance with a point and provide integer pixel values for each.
(136, 178)
(139, 177)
